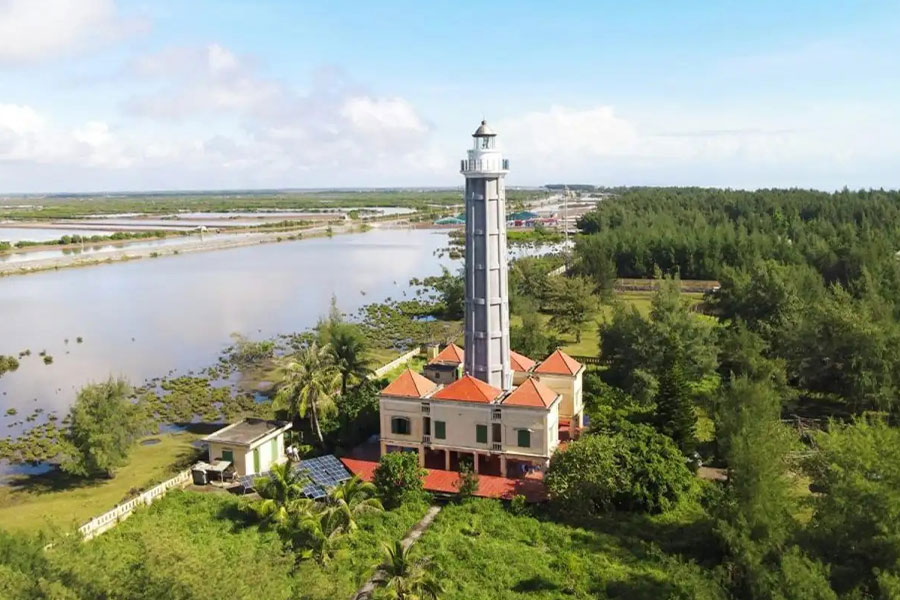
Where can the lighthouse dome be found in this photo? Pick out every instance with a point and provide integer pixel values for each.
(484, 131)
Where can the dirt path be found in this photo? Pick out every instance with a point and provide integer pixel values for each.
(365, 592)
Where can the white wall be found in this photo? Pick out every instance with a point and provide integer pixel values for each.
(398, 407)
(519, 377)
(542, 424)
(243, 456)
(461, 419)
(570, 388)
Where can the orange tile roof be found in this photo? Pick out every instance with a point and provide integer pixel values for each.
(451, 354)
(520, 362)
(531, 393)
(409, 384)
(468, 389)
(559, 363)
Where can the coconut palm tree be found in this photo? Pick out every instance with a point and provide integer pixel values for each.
(310, 380)
(348, 352)
(352, 498)
(407, 578)
(313, 532)
(281, 491)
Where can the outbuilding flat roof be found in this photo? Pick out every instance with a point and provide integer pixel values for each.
(244, 433)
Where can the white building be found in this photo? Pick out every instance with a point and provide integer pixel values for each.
(251, 445)
(484, 403)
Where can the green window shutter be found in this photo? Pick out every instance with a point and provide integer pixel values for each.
(524, 438)
(256, 465)
(228, 455)
(400, 426)
(274, 449)
(481, 434)
(440, 430)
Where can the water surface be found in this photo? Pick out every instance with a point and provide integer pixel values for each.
(36, 234)
(154, 317)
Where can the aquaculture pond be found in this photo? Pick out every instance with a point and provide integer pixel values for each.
(171, 315)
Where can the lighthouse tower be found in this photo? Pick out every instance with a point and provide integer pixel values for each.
(487, 299)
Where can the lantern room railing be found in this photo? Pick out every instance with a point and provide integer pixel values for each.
(472, 166)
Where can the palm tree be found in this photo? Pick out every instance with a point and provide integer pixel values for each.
(281, 491)
(313, 532)
(407, 578)
(348, 351)
(354, 497)
(310, 379)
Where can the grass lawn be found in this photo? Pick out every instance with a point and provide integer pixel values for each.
(484, 551)
(590, 338)
(416, 363)
(201, 545)
(381, 356)
(36, 502)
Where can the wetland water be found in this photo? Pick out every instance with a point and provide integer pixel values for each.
(98, 249)
(33, 234)
(153, 317)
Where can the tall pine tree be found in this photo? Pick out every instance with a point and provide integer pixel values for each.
(675, 415)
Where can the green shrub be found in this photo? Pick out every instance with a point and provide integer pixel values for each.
(467, 484)
(518, 505)
(398, 478)
(104, 426)
(634, 469)
(8, 363)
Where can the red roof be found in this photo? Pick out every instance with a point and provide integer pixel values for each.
(409, 384)
(437, 480)
(468, 389)
(559, 363)
(451, 354)
(531, 393)
(520, 362)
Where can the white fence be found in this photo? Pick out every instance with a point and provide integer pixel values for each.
(400, 360)
(110, 519)
(557, 271)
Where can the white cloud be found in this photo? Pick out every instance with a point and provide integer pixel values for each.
(335, 124)
(812, 147)
(562, 134)
(27, 136)
(37, 29)
(382, 116)
(20, 119)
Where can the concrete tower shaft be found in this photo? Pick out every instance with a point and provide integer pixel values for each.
(487, 298)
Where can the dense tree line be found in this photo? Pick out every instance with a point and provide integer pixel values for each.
(805, 320)
(815, 275)
(699, 232)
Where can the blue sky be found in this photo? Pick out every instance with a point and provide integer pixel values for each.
(126, 95)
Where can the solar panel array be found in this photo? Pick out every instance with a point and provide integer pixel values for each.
(246, 481)
(324, 473)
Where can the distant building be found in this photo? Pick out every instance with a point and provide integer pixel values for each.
(450, 221)
(522, 215)
(484, 402)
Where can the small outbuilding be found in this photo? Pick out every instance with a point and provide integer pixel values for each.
(252, 446)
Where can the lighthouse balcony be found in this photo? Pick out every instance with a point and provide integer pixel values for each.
(484, 165)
